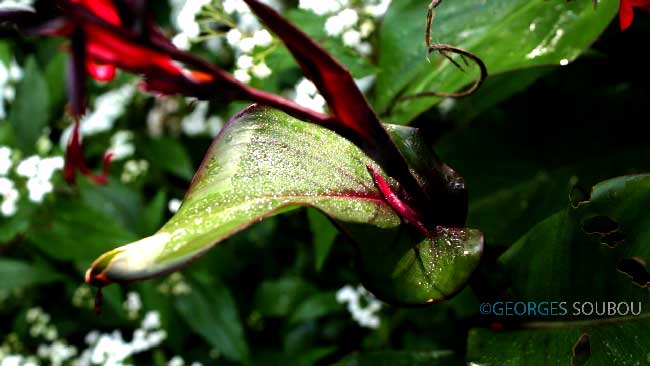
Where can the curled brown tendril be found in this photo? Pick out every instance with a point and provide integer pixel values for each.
(447, 51)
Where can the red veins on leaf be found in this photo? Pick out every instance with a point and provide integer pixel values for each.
(626, 11)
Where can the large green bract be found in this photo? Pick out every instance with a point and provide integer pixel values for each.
(264, 163)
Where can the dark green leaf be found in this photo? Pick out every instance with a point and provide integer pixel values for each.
(16, 274)
(615, 341)
(30, 112)
(210, 310)
(280, 297)
(403, 358)
(324, 234)
(505, 34)
(170, 155)
(73, 231)
(557, 258)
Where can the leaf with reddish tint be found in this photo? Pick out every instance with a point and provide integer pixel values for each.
(264, 163)
(355, 118)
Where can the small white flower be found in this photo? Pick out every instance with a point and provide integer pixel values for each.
(248, 22)
(242, 75)
(364, 48)
(151, 320)
(334, 25)
(174, 204)
(38, 189)
(121, 145)
(176, 361)
(348, 17)
(262, 38)
(233, 37)
(351, 38)
(232, 6)
(366, 28)
(244, 62)
(247, 44)
(5, 160)
(378, 10)
(215, 123)
(133, 304)
(182, 41)
(194, 124)
(305, 86)
(29, 167)
(261, 70)
(364, 316)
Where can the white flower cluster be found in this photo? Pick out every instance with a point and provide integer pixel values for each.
(105, 349)
(39, 172)
(198, 123)
(366, 316)
(107, 108)
(246, 38)
(175, 285)
(306, 94)
(178, 361)
(121, 145)
(132, 305)
(133, 169)
(157, 116)
(40, 325)
(110, 349)
(184, 14)
(83, 297)
(9, 75)
(353, 24)
(8, 193)
(16, 5)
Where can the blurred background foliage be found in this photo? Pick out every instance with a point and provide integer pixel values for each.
(529, 139)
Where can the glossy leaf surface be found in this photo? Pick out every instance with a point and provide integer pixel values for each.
(507, 35)
(265, 162)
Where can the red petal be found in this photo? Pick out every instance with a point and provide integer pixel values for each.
(625, 14)
(626, 11)
(100, 72)
(109, 48)
(105, 9)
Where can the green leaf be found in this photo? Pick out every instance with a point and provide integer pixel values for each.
(170, 155)
(264, 163)
(613, 341)
(403, 358)
(323, 233)
(153, 214)
(210, 310)
(30, 110)
(573, 256)
(278, 298)
(73, 231)
(556, 259)
(316, 306)
(505, 34)
(16, 274)
(114, 200)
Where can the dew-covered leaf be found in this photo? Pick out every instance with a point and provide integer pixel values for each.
(264, 163)
(506, 34)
